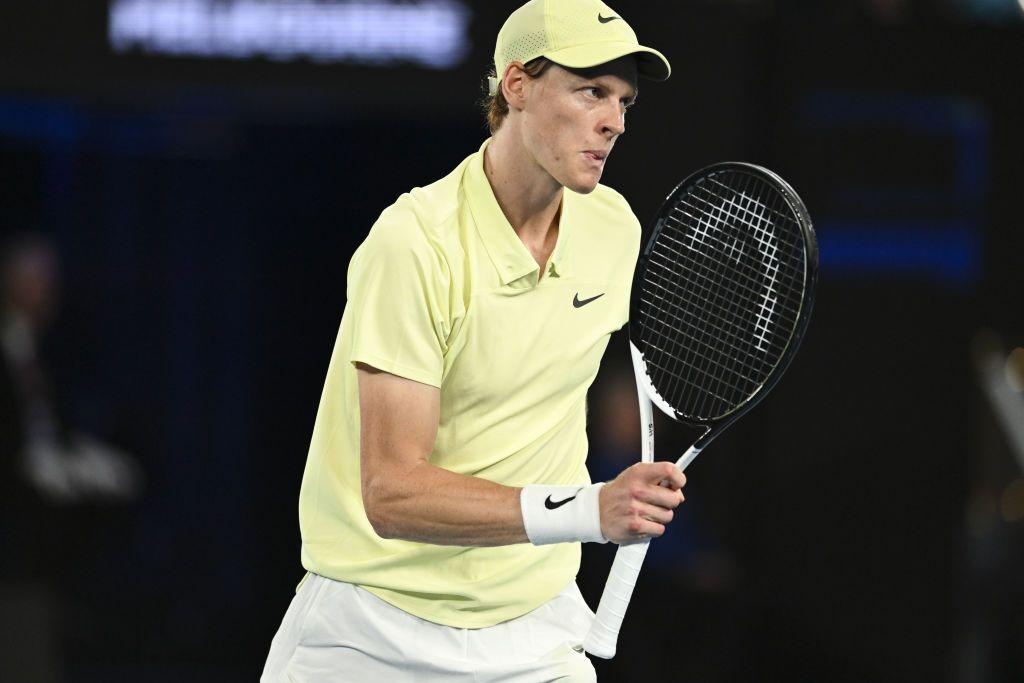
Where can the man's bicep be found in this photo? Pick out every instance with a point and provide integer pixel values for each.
(398, 426)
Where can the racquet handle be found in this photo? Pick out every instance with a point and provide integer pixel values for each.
(604, 633)
(629, 559)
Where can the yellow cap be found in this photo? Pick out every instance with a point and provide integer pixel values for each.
(572, 33)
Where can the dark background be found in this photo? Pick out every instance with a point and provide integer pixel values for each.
(205, 211)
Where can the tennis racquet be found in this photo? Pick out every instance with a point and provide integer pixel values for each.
(721, 297)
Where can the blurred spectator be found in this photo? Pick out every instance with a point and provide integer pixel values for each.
(48, 472)
(992, 618)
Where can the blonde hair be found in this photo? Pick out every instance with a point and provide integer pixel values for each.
(495, 106)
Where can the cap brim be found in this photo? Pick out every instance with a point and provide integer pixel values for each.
(650, 63)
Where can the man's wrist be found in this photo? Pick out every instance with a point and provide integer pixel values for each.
(562, 514)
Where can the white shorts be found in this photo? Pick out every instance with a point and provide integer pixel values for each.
(335, 631)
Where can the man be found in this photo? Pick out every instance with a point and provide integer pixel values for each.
(445, 493)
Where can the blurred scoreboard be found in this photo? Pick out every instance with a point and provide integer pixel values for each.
(429, 55)
(432, 34)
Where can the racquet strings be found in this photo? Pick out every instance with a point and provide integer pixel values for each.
(720, 294)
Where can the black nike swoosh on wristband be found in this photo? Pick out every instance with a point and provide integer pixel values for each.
(605, 20)
(552, 505)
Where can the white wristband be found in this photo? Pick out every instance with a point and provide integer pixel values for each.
(562, 514)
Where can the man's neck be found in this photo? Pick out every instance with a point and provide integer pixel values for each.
(527, 195)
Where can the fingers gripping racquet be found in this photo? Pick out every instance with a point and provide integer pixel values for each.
(720, 301)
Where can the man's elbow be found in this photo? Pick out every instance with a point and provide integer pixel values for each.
(378, 511)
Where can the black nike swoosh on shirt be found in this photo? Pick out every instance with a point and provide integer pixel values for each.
(577, 302)
(605, 20)
(552, 505)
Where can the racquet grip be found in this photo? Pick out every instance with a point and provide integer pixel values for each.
(604, 633)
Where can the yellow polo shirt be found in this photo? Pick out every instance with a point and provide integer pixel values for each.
(444, 292)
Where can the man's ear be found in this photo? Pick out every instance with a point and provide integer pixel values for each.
(513, 85)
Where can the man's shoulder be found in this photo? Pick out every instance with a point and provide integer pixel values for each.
(609, 209)
(424, 213)
(435, 204)
(418, 224)
(609, 195)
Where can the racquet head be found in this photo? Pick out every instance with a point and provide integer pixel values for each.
(722, 292)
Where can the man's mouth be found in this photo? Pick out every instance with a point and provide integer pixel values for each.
(596, 155)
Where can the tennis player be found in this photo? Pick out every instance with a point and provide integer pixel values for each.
(445, 494)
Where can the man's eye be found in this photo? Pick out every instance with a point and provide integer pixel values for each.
(594, 92)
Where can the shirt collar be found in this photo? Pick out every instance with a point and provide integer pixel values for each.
(509, 255)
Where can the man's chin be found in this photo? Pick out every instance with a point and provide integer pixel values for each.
(584, 185)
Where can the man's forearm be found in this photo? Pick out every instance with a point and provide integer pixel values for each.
(430, 504)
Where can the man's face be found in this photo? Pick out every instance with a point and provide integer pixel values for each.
(573, 118)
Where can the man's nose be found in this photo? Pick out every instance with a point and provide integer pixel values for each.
(615, 122)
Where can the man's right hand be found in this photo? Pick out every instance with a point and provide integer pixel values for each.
(635, 506)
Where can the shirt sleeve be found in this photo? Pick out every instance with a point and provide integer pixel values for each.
(398, 286)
